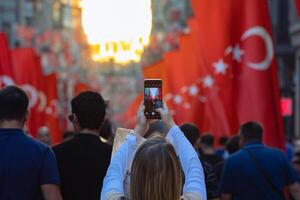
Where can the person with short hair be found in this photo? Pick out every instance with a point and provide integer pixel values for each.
(207, 151)
(44, 135)
(257, 171)
(84, 159)
(28, 169)
(192, 133)
(221, 151)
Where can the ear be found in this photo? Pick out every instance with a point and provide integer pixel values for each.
(75, 123)
(27, 114)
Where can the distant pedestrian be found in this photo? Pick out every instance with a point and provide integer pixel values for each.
(257, 171)
(44, 135)
(28, 169)
(221, 151)
(207, 151)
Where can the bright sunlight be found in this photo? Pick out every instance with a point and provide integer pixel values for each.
(118, 30)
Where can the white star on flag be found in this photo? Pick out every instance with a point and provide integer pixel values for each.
(193, 90)
(177, 99)
(220, 67)
(187, 105)
(237, 53)
(183, 89)
(208, 81)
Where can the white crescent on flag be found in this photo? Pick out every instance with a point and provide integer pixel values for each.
(6, 80)
(43, 101)
(32, 94)
(266, 37)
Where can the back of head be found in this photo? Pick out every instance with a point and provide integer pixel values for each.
(191, 132)
(156, 128)
(208, 140)
(233, 144)
(89, 108)
(155, 172)
(13, 103)
(223, 140)
(251, 131)
(106, 130)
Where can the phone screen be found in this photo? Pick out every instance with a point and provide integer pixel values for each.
(152, 98)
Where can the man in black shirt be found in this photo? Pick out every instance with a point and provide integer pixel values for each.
(83, 160)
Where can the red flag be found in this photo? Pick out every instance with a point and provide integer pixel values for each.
(81, 87)
(6, 70)
(229, 58)
(297, 2)
(26, 75)
(240, 83)
(52, 120)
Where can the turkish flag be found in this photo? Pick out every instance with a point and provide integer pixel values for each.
(224, 72)
(52, 115)
(28, 76)
(6, 70)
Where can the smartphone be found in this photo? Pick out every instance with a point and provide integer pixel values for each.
(152, 97)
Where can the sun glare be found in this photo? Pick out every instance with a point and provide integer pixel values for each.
(118, 30)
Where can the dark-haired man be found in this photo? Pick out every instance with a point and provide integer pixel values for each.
(28, 168)
(207, 151)
(256, 171)
(83, 160)
(192, 133)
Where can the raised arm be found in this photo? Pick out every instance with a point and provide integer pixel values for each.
(194, 186)
(113, 188)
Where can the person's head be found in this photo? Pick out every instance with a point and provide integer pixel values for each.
(44, 135)
(251, 132)
(233, 144)
(223, 140)
(207, 140)
(88, 111)
(67, 135)
(191, 132)
(106, 130)
(155, 172)
(156, 128)
(13, 105)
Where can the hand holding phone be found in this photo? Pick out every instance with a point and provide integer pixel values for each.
(152, 98)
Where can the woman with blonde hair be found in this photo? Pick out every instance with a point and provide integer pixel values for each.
(156, 171)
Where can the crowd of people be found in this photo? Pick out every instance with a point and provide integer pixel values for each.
(161, 161)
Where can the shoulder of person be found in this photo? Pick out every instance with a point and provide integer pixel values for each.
(58, 148)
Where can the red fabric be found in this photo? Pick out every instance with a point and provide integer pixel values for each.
(237, 35)
(28, 74)
(245, 92)
(81, 87)
(6, 70)
(52, 120)
(297, 2)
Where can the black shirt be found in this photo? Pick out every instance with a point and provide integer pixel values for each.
(82, 163)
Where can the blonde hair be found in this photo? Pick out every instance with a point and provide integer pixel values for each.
(156, 172)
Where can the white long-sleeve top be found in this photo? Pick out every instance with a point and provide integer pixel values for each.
(116, 180)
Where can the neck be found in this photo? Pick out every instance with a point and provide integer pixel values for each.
(89, 131)
(11, 124)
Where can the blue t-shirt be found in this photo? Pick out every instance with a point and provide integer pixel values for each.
(25, 165)
(243, 181)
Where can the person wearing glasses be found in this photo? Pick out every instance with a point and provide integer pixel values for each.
(83, 160)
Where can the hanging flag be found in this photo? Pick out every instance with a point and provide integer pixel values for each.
(6, 70)
(27, 75)
(226, 63)
(52, 114)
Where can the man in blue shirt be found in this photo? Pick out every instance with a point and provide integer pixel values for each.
(257, 171)
(28, 169)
